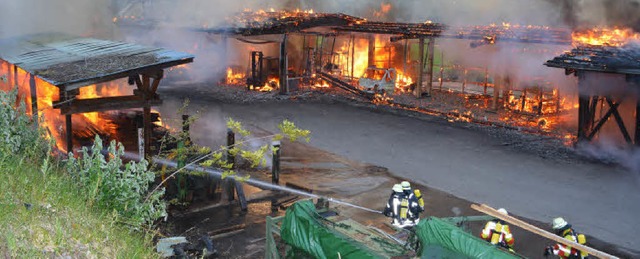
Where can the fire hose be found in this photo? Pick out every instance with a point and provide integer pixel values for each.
(260, 184)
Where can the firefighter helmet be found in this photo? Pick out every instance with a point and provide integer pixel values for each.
(397, 188)
(558, 223)
(405, 185)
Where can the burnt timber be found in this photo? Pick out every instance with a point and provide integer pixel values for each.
(71, 62)
(623, 60)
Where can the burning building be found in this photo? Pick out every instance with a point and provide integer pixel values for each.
(68, 81)
(501, 80)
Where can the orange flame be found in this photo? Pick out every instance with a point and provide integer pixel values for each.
(234, 78)
(605, 37)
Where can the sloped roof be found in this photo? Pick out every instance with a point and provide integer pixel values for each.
(71, 62)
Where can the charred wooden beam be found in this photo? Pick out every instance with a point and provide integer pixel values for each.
(637, 137)
(105, 104)
(34, 97)
(418, 90)
(345, 86)
(602, 120)
(619, 120)
(284, 80)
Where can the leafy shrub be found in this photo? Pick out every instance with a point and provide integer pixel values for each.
(111, 186)
(18, 133)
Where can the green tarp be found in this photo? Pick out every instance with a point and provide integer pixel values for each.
(440, 239)
(302, 229)
(310, 235)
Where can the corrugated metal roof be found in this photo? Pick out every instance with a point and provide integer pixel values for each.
(606, 59)
(71, 62)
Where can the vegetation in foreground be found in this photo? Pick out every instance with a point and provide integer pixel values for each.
(52, 208)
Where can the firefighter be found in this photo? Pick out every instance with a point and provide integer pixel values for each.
(397, 207)
(416, 203)
(564, 229)
(497, 233)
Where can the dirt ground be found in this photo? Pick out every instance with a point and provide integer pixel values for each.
(350, 160)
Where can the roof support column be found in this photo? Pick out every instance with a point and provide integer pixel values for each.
(284, 87)
(430, 53)
(34, 98)
(418, 90)
(637, 137)
(372, 51)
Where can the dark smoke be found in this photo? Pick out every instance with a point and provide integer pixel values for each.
(588, 13)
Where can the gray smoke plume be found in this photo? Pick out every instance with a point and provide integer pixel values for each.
(588, 13)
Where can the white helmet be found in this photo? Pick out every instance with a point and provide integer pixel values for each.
(503, 211)
(397, 188)
(558, 223)
(405, 185)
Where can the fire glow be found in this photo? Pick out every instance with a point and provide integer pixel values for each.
(605, 37)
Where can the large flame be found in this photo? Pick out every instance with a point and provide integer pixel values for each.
(52, 120)
(605, 37)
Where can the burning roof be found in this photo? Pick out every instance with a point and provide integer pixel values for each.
(72, 62)
(607, 59)
(263, 23)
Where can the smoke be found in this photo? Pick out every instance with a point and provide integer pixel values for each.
(610, 151)
(588, 13)
(79, 17)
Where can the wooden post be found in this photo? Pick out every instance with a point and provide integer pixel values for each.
(241, 197)
(275, 162)
(69, 133)
(583, 109)
(540, 101)
(464, 80)
(284, 87)
(418, 90)
(275, 171)
(441, 69)
(146, 124)
(486, 80)
(404, 57)
(372, 51)
(231, 141)
(34, 97)
(15, 76)
(353, 55)
(637, 137)
(320, 61)
(430, 55)
(496, 95)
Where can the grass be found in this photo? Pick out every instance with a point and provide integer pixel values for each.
(43, 214)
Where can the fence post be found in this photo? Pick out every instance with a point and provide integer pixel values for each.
(275, 170)
(231, 141)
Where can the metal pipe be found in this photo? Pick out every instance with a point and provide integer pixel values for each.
(253, 182)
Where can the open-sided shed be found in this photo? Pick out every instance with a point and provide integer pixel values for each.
(580, 61)
(71, 62)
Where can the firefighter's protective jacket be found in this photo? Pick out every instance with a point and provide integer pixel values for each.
(398, 209)
(498, 233)
(564, 251)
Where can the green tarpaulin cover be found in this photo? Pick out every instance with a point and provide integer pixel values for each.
(302, 229)
(311, 235)
(440, 239)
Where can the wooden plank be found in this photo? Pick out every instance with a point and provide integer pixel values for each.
(526, 226)
(105, 104)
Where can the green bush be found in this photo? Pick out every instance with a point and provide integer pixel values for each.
(113, 187)
(18, 135)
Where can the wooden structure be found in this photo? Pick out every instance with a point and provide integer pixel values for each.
(71, 62)
(586, 60)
